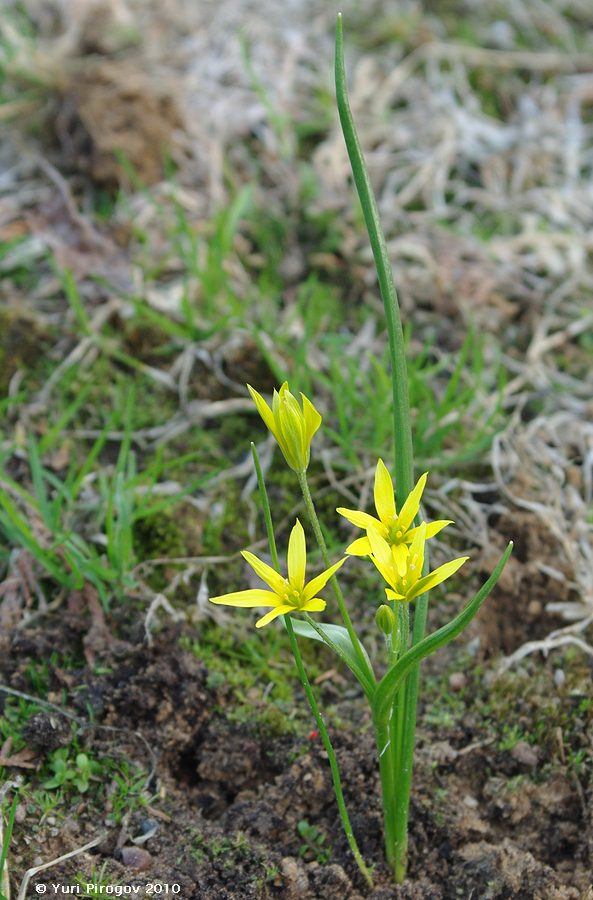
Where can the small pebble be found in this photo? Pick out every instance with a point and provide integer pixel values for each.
(525, 754)
(457, 681)
(559, 678)
(470, 801)
(149, 826)
(20, 814)
(442, 752)
(535, 608)
(136, 858)
(295, 875)
(148, 829)
(473, 646)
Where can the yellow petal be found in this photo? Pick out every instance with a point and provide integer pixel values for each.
(273, 614)
(384, 560)
(312, 419)
(409, 510)
(318, 583)
(314, 605)
(276, 401)
(359, 547)
(400, 555)
(297, 557)
(265, 572)
(264, 410)
(432, 528)
(417, 549)
(362, 519)
(436, 577)
(384, 499)
(247, 599)
(393, 595)
(387, 573)
(381, 549)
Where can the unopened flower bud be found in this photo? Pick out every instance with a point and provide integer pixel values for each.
(292, 426)
(385, 619)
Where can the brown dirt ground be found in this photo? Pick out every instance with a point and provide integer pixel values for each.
(227, 800)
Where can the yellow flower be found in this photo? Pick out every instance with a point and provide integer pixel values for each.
(404, 576)
(292, 426)
(393, 528)
(288, 595)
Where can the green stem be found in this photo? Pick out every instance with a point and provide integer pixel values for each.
(265, 504)
(408, 692)
(310, 507)
(397, 729)
(387, 776)
(398, 716)
(333, 763)
(390, 686)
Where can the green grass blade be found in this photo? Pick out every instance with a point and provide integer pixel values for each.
(401, 404)
(7, 838)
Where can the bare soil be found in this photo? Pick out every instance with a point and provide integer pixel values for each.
(485, 822)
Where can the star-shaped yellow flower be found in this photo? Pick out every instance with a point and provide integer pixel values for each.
(404, 576)
(391, 526)
(292, 426)
(288, 595)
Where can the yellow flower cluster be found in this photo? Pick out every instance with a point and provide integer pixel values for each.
(393, 545)
(397, 549)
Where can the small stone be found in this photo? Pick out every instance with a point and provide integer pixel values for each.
(136, 858)
(329, 880)
(559, 678)
(20, 814)
(442, 752)
(473, 646)
(148, 829)
(534, 608)
(470, 802)
(149, 826)
(297, 883)
(457, 681)
(525, 754)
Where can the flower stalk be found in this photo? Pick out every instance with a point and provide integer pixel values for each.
(294, 646)
(316, 526)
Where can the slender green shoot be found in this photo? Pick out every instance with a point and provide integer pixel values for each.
(294, 646)
(5, 840)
